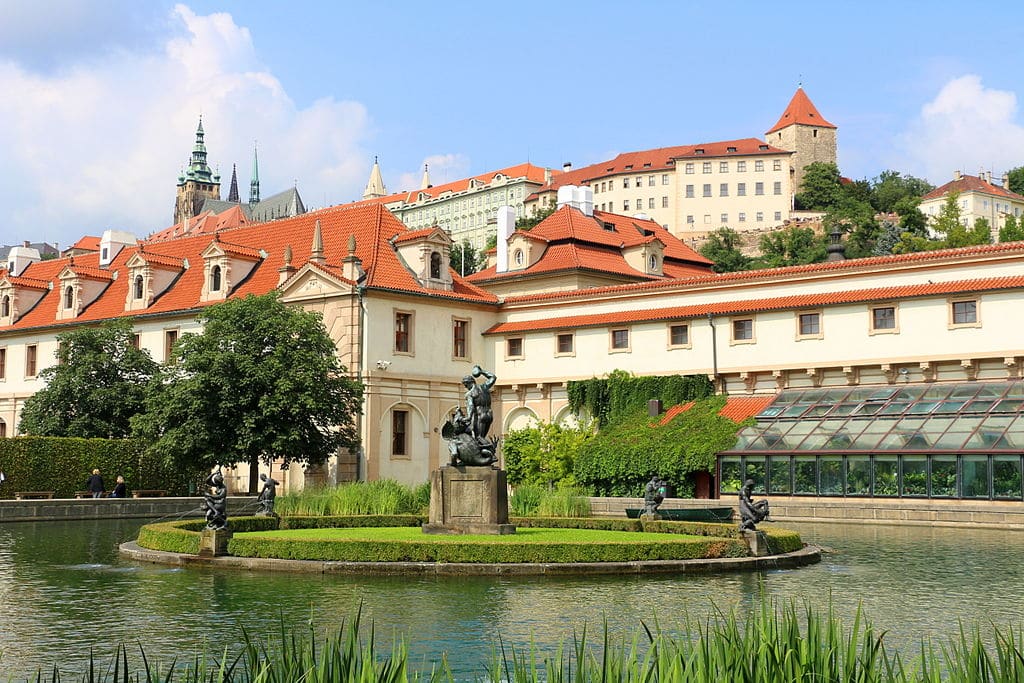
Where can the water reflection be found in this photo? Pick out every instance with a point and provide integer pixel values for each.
(63, 589)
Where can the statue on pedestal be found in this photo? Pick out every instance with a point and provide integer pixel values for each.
(266, 497)
(215, 501)
(654, 494)
(466, 432)
(751, 512)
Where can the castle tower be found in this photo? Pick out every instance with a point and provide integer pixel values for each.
(375, 187)
(196, 183)
(803, 130)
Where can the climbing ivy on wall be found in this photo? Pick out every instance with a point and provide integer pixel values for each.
(621, 394)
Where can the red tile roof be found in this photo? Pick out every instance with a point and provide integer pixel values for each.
(91, 273)
(372, 226)
(162, 260)
(736, 408)
(796, 301)
(800, 110)
(595, 243)
(415, 234)
(87, 243)
(769, 274)
(206, 223)
(970, 183)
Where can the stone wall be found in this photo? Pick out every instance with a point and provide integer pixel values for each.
(112, 508)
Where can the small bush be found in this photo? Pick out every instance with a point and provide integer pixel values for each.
(382, 497)
(564, 503)
(602, 523)
(524, 500)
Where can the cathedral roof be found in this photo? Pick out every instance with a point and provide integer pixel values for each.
(802, 111)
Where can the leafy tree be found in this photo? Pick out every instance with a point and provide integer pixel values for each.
(911, 218)
(1012, 230)
(535, 218)
(466, 259)
(792, 246)
(96, 387)
(544, 455)
(722, 248)
(1016, 180)
(890, 187)
(261, 382)
(856, 218)
(949, 218)
(821, 188)
(887, 239)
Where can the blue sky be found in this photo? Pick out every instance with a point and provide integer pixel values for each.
(101, 102)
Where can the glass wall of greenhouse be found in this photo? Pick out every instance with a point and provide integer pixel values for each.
(951, 440)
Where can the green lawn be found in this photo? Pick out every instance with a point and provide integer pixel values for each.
(527, 535)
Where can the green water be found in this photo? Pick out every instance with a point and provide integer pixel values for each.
(63, 589)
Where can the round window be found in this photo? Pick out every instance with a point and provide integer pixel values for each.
(653, 262)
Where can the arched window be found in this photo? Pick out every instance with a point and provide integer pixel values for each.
(435, 265)
(653, 262)
(69, 298)
(518, 257)
(5, 306)
(3, 429)
(215, 279)
(138, 286)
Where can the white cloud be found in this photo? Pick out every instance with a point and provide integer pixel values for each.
(966, 127)
(444, 168)
(99, 145)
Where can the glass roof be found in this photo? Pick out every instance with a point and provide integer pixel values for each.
(908, 417)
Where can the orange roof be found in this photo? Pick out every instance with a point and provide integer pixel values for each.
(796, 301)
(372, 226)
(736, 408)
(92, 273)
(659, 159)
(577, 241)
(781, 272)
(87, 243)
(970, 183)
(800, 110)
(205, 223)
(415, 234)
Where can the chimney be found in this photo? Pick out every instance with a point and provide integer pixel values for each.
(26, 244)
(547, 176)
(1006, 181)
(567, 166)
(956, 175)
(566, 195)
(506, 226)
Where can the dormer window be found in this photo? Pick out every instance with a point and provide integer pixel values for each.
(652, 262)
(435, 265)
(137, 290)
(69, 298)
(518, 257)
(215, 279)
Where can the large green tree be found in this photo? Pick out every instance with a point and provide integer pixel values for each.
(1016, 179)
(722, 247)
(1012, 230)
(466, 259)
(892, 186)
(261, 382)
(792, 246)
(96, 387)
(821, 189)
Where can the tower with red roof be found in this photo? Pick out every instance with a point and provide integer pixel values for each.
(803, 130)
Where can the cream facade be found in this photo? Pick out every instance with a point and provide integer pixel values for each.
(979, 198)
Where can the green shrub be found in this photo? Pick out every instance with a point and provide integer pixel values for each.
(339, 522)
(524, 500)
(382, 497)
(63, 464)
(564, 503)
(621, 394)
(543, 455)
(182, 536)
(602, 523)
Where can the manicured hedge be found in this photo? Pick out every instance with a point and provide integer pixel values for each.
(663, 526)
(606, 524)
(782, 540)
(63, 464)
(183, 536)
(351, 521)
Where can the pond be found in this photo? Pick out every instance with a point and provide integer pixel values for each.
(64, 590)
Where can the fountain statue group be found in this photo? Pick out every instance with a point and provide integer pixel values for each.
(466, 432)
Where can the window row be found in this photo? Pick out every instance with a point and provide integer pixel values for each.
(619, 340)
(723, 190)
(947, 475)
(32, 354)
(741, 217)
(638, 205)
(724, 166)
(628, 182)
(404, 328)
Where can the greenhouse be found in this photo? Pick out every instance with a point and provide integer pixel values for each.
(950, 440)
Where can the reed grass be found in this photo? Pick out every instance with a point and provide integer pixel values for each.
(536, 501)
(382, 497)
(775, 643)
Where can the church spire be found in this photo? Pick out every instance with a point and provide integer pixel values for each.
(375, 187)
(198, 169)
(233, 191)
(426, 178)
(254, 184)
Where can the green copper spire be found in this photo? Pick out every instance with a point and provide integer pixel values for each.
(254, 184)
(198, 168)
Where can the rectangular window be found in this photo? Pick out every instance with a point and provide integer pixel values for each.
(741, 189)
(136, 341)
(707, 189)
(689, 218)
(777, 187)
(664, 202)
(514, 347)
(564, 344)
(741, 167)
(883, 318)
(650, 203)
(706, 167)
(3, 363)
(664, 178)
(639, 181)
(689, 191)
(743, 330)
(399, 432)
(723, 166)
(758, 188)
(964, 312)
(707, 219)
(650, 181)
(809, 324)
(678, 335)
(403, 332)
(460, 331)
(170, 339)
(723, 189)
(625, 205)
(725, 218)
(777, 165)
(620, 340)
(611, 207)
(759, 216)
(759, 165)
(30, 360)
(689, 167)
(625, 183)
(742, 218)
(778, 215)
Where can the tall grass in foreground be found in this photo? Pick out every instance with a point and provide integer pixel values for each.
(382, 497)
(529, 501)
(773, 644)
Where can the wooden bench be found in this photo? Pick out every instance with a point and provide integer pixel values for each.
(22, 495)
(149, 493)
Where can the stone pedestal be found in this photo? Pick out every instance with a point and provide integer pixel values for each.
(650, 516)
(213, 543)
(468, 500)
(757, 541)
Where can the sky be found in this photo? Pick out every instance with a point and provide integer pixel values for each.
(101, 100)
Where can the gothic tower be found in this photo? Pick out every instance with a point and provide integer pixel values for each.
(375, 187)
(254, 184)
(197, 183)
(803, 130)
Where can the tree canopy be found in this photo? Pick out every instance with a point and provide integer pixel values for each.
(722, 247)
(96, 387)
(1015, 176)
(464, 254)
(261, 382)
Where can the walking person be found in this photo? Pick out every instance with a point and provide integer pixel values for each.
(95, 484)
(120, 490)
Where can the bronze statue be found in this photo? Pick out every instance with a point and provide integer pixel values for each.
(267, 495)
(215, 502)
(478, 402)
(751, 512)
(654, 494)
(463, 447)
